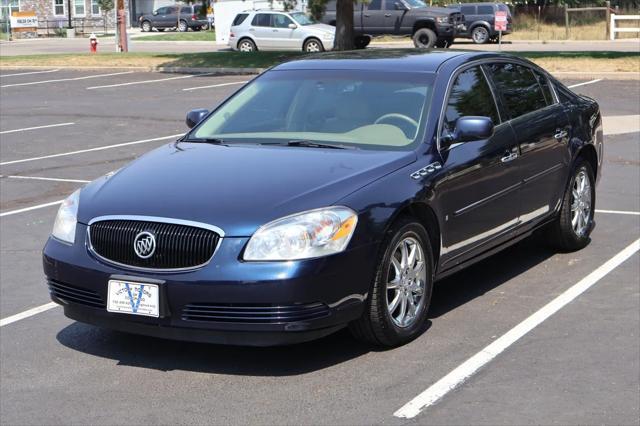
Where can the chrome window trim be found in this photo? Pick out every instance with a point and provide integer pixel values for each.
(156, 219)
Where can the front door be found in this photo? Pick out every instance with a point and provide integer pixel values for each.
(283, 36)
(394, 12)
(479, 189)
(373, 19)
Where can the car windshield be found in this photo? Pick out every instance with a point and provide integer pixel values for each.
(358, 109)
(416, 3)
(303, 19)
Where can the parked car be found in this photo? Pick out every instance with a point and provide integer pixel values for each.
(480, 21)
(277, 30)
(427, 26)
(330, 192)
(181, 17)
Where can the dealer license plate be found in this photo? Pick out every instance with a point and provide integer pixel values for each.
(133, 298)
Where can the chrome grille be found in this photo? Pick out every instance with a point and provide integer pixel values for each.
(256, 314)
(177, 246)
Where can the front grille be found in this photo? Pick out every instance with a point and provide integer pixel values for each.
(75, 295)
(256, 314)
(177, 246)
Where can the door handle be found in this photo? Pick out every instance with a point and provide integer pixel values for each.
(275, 31)
(252, 30)
(561, 134)
(386, 15)
(509, 157)
(366, 15)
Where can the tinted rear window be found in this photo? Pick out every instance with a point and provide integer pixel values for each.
(485, 10)
(468, 10)
(375, 5)
(519, 88)
(186, 10)
(262, 20)
(239, 19)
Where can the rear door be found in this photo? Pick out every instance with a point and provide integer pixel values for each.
(469, 12)
(542, 130)
(262, 31)
(373, 20)
(479, 195)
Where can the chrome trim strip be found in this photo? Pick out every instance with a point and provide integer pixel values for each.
(491, 232)
(534, 214)
(542, 173)
(201, 225)
(487, 199)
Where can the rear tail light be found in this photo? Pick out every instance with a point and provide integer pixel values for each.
(231, 34)
(194, 17)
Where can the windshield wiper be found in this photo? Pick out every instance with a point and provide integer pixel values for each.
(310, 144)
(212, 141)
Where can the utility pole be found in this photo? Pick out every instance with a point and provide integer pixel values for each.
(69, 13)
(121, 23)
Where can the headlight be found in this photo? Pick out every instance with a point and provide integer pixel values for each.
(442, 19)
(305, 235)
(64, 228)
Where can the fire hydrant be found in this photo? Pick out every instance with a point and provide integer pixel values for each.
(93, 43)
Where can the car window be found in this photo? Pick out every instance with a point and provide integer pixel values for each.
(162, 10)
(261, 20)
(519, 88)
(185, 10)
(468, 10)
(503, 8)
(303, 19)
(171, 10)
(485, 10)
(470, 95)
(239, 19)
(281, 21)
(375, 5)
(546, 88)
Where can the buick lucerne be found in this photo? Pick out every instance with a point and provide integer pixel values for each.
(328, 192)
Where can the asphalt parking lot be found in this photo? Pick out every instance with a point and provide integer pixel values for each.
(580, 365)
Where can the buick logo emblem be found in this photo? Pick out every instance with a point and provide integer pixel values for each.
(144, 245)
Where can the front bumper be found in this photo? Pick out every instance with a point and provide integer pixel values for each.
(301, 300)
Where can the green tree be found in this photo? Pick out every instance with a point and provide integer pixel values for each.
(106, 6)
(344, 39)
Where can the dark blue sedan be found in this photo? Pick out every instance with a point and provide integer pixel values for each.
(330, 192)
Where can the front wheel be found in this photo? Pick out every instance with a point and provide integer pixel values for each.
(145, 26)
(424, 38)
(396, 310)
(312, 45)
(572, 228)
(444, 43)
(182, 26)
(480, 35)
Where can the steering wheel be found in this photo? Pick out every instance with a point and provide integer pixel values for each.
(399, 116)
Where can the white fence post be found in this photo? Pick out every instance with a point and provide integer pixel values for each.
(615, 30)
(612, 27)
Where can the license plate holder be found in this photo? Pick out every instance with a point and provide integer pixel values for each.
(133, 298)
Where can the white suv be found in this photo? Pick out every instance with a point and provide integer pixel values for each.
(276, 30)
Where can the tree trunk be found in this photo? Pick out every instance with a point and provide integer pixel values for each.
(344, 25)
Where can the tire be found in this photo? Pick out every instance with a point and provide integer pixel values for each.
(572, 228)
(424, 38)
(312, 45)
(443, 43)
(380, 324)
(247, 45)
(145, 26)
(361, 42)
(182, 26)
(196, 28)
(160, 29)
(480, 35)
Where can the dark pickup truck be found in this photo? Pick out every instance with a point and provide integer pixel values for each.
(427, 26)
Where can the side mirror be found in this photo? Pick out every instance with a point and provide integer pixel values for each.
(471, 128)
(155, 13)
(195, 116)
(292, 26)
(400, 6)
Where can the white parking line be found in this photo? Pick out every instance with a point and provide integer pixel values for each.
(460, 374)
(27, 209)
(100, 148)
(619, 212)
(131, 83)
(585, 83)
(214, 85)
(47, 178)
(28, 73)
(86, 77)
(36, 128)
(28, 313)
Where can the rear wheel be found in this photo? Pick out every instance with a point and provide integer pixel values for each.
(247, 45)
(480, 35)
(182, 26)
(574, 224)
(312, 45)
(145, 26)
(424, 38)
(396, 310)
(362, 42)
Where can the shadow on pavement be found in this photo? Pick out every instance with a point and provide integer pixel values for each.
(168, 355)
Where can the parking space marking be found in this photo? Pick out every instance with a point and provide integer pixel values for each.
(214, 85)
(86, 77)
(28, 313)
(46, 178)
(630, 213)
(463, 372)
(585, 83)
(28, 73)
(36, 128)
(28, 209)
(131, 83)
(100, 148)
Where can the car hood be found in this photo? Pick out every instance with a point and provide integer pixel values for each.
(322, 28)
(236, 188)
(436, 11)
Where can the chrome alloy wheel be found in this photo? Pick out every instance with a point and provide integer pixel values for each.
(246, 46)
(581, 203)
(313, 46)
(406, 280)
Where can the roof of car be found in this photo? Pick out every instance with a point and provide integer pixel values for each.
(380, 60)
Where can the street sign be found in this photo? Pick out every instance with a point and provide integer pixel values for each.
(501, 21)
